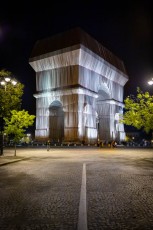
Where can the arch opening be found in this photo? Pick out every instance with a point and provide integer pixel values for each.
(103, 114)
(56, 122)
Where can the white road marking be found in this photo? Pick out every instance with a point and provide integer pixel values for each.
(82, 221)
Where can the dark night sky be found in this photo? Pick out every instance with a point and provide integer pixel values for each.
(123, 27)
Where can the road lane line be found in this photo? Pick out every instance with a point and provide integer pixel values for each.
(82, 221)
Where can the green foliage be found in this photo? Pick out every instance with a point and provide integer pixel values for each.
(139, 111)
(10, 95)
(16, 125)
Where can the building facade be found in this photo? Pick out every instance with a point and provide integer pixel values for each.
(79, 89)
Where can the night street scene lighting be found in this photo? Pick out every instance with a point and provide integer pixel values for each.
(150, 82)
(4, 82)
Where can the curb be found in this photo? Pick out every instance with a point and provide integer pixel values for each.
(13, 161)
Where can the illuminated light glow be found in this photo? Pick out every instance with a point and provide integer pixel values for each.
(3, 83)
(14, 82)
(7, 79)
(150, 82)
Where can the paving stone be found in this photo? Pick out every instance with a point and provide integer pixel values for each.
(43, 191)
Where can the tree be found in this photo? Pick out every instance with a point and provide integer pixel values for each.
(15, 125)
(139, 111)
(10, 95)
(11, 92)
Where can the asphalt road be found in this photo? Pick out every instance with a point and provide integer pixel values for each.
(77, 189)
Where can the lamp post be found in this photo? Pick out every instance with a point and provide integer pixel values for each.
(151, 83)
(4, 81)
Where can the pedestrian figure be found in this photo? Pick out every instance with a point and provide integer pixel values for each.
(48, 145)
(113, 144)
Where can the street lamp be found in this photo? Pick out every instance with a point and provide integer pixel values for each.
(3, 82)
(6, 80)
(150, 82)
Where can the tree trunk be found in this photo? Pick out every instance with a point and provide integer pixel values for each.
(15, 150)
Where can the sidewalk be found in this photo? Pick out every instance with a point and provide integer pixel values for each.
(8, 157)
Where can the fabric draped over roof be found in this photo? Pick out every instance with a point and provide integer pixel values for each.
(73, 38)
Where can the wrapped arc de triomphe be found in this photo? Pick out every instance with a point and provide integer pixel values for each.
(79, 89)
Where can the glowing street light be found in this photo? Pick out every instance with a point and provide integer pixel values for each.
(6, 80)
(150, 82)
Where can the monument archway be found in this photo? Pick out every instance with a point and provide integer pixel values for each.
(74, 69)
(56, 121)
